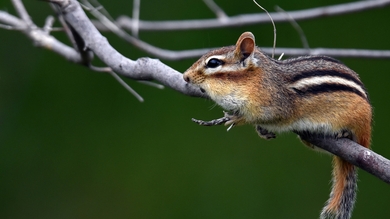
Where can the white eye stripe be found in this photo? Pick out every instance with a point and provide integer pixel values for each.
(220, 57)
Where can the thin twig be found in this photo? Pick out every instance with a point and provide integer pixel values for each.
(141, 69)
(100, 69)
(296, 26)
(39, 37)
(48, 24)
(22, 12)
(65, 26)
(158, 52)
(273, 25)
(351, 53)
(72, 55)
(221, 15)
(136, 11)
(125, 85)
(8, 27)
(193, 53)
(119, 79)
(152, 84)
(249, 19)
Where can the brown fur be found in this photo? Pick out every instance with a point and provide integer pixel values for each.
(260, 91)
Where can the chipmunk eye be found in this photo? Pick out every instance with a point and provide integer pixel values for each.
(213, 63)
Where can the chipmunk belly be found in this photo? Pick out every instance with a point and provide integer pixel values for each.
(303, 124)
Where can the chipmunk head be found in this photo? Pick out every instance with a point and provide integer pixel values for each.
(223, 74)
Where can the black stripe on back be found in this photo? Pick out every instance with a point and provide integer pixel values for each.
(310, 58)
(328, 88)
(334, 73)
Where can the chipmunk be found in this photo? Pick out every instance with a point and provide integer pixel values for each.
(309, 94)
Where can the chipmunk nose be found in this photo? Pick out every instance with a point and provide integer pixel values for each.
(186, 78)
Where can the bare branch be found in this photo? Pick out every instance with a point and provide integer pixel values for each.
(158, 52)
(345, 148)
(7, 27)
(354, 153)
(250, 19)
(296, 26)
(136, 10)
(11, 20)
(48, 24)
(22, 12)
(352, 53)
(273, 25)
(141, 69)
(152, 84)
(40, 38)
(192, 53)
(125, 85)
(118, 79)
(217, 10)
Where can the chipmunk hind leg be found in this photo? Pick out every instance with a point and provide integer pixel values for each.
(264, 133)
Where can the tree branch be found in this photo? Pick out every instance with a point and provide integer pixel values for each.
(354, 153)
(21, 10)
(345, 148)
(249, 19)
(40, 37)
(118, 28)
(141, 69)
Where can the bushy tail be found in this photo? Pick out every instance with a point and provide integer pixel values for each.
(342, 197)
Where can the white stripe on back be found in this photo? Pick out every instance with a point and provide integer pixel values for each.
(318, 80)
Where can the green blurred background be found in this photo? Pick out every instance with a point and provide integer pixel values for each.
(76, 144)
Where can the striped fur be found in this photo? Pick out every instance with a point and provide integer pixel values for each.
(327, 81)
(313, 94)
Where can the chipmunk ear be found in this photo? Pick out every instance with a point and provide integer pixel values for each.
(245, 45)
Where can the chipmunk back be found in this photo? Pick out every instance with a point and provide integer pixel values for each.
(311, 94)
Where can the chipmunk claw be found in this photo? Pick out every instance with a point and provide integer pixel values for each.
(234, 119)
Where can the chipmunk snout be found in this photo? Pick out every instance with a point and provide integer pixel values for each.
(186, 78)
